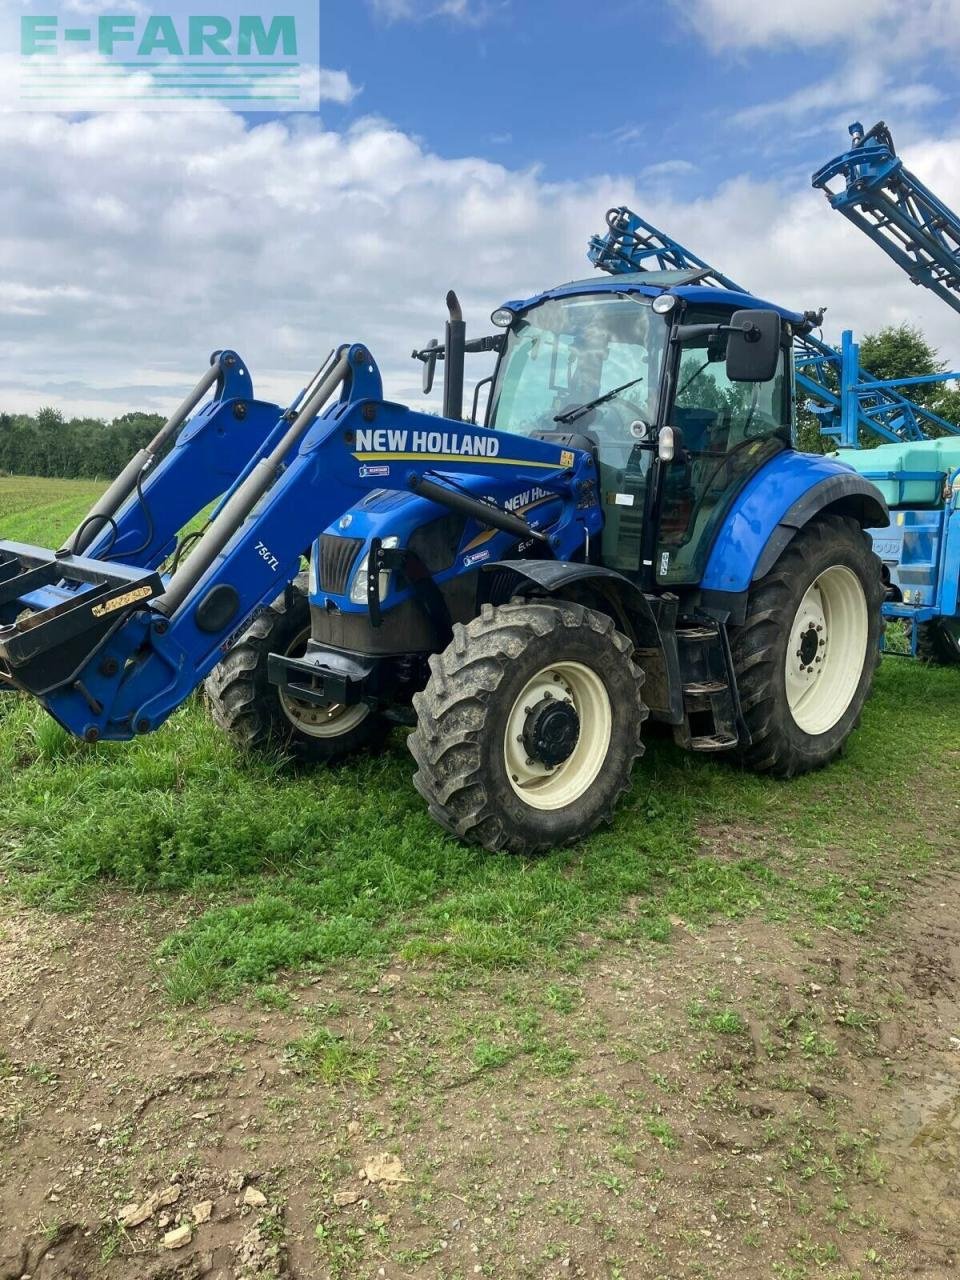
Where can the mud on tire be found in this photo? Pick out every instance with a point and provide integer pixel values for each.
(760, 647)
(252, 712)
(471, 701)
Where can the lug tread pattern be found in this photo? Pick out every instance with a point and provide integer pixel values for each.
(758, 659)
(246, 707)
(455, 708)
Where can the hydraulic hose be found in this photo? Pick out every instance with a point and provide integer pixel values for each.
(109, 504)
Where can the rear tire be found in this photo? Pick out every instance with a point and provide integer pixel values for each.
(934, 645)
(258, 715)
(529, 726)
(807, 651)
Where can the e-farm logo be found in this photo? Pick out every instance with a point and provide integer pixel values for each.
(249, 57)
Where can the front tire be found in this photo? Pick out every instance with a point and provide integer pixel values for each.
(529, 726)
(257, 715)
(808, 648)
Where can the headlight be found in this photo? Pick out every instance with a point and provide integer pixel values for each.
(358, 592)
(502, 318)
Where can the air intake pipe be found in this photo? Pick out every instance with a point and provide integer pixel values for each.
(454, 346)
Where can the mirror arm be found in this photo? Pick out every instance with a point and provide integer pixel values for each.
(685, 332)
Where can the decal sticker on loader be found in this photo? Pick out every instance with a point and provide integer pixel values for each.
(121, 602)
(266, 554)
(476, 558)
(367, 471)
(377, 444)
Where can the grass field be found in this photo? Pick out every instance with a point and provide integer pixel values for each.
(256, 884)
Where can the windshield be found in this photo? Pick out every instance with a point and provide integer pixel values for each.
(568, 352)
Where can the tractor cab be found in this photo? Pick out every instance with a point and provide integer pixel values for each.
(614, 364)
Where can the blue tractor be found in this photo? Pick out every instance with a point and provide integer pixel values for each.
(629, 532)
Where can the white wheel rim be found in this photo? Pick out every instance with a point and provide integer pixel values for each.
(314, 721)
(827, 650)
(537, 784)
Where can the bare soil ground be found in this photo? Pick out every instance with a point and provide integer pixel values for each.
(750, 1099)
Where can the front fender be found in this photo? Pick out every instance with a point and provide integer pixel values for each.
(653, 634)
(780, 499)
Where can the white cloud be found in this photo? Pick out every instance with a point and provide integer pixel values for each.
(335, 86)
(667, 169)
(132, 248)
(744, 24)
(472, 13)
(872, 42)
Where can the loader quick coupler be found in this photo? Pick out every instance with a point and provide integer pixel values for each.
(74, 605)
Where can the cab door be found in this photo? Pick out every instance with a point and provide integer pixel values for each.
(725, 432)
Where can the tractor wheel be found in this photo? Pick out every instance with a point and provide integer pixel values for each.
(257, 714)
(807, 651)
(935, 645)
(529, 726)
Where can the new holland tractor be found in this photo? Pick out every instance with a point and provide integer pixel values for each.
(629, 533)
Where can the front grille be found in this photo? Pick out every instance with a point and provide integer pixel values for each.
(336, 560)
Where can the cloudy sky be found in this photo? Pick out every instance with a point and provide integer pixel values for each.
(473, 144)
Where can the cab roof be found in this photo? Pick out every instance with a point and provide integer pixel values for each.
(651, 284)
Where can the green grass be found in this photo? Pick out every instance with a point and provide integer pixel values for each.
(39, 510)
(286, 869)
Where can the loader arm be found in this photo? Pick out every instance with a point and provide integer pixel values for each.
(112, 647)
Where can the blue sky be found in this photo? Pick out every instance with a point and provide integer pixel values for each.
(473, 144)
(579, 89)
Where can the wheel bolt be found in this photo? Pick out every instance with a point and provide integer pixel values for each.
(520, 737)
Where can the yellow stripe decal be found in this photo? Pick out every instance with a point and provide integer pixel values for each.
(454, 457)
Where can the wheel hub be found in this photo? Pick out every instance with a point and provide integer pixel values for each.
(557, 735)
(809, 646)
(551, 731)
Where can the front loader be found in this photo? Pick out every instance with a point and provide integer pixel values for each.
(630, 532)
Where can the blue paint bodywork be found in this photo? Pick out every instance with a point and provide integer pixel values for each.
(157, 663)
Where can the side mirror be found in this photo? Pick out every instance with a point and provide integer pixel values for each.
(753, 346)
(429, 358)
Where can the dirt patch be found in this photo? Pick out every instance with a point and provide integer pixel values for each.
(753, 1099)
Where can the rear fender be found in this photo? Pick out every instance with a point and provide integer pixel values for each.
(779, 500)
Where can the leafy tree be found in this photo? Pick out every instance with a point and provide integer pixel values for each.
(901, 351)
(50, 445)
(895, 351)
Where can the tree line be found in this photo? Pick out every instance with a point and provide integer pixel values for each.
(47, 444)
